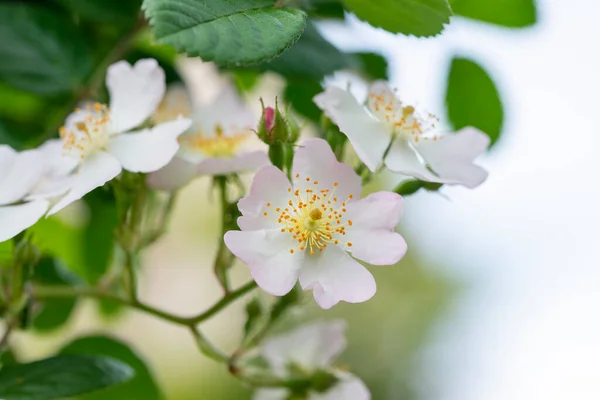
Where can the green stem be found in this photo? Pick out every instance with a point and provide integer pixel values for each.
(224, 302)
(207, 348)
(130, 266)
(163, 222)
(224, 259)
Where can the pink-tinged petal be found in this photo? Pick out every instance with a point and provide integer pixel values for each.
(348, 388)
(267, 254)
(403, 159)
(315, 159)
(135, 92)
(270, 185)
(311, 346)
(240, 163)
(150, 149)
(334, 276)
(94, 171)
(372, 234)
(270, 394)
(173, 176)
(368, 136)
(21, 176)
(452, 156)
(15, 219)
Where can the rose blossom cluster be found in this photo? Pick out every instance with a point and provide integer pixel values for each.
(308, 225)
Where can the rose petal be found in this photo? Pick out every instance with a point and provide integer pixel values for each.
(240, 163)
(172, 176)
(93, 172)
(315, 159)
(135, 92)
(18, 179)
(372, 234)
(368, 136)
(15, 219)
(452, 156)
(150, 149)
(334, 276)
(267, 254)
(403, 159)
(312, 346)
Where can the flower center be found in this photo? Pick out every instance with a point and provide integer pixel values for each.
(314, 217)
(219, 146)
(401, 121)
(88, 134)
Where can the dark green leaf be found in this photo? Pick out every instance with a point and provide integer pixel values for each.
(98, 239)
(141, 387)
(473, 100)
(299, 93)
(235, 32)
(254, 314)
(41, 50)
(510, 13)
(373, 66)
(412, 186)
(312, 57)
(112, 11)
(324, 8)
(54, 312)
(61, 376)
(245, 79)
(410, 17)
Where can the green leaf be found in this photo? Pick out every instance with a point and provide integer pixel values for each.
(312, 57)
(41, 51)
(61, 376)
(373, 66)
(54, 312)
(141, 387)
(410, 17)
(234, 32)
(6, 251)
(300, 93)
(473, 100)
(324, 8)
(510, 13)
(254, 316)
(112, 11)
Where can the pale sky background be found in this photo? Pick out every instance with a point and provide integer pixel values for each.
(526, 243)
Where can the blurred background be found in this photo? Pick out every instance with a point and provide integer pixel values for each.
(498, 296)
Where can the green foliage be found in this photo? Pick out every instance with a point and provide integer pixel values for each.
(410, 17)
(41, 51)
(233, 33)
(61, 376)
(110, 11)
(473, 100)
(299, 93)
(510, 13)
(141, 387)
(54, 312)
(412, 186)
(324, 8)
(373, 66)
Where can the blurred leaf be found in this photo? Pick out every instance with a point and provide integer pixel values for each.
(412, 186)
(234, 32)
(98, 238)
(324, 8)
(374, 66)
(299, 93)
(54, 312)
(311, 57)
(254, 314)
(41, 51)
(6, 251)
(165, 55)
(473, 100)
(410, 17)
(61, 376)
(245, 79)
(510, 13)
(141, 387)
(111, 11)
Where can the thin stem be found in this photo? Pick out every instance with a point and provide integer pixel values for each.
(224, 302)
(224, 259)
(130, 266)
(207, 348)
(163, 222)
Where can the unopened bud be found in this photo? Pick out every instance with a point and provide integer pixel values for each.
(275, 128)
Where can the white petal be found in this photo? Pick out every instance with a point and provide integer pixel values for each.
(94, 171)
(226, 110)
(267, 254)
(59, 172)
(368, 136)
(270, 394)
(311, 346)
(240, 163)
(25, 171)
(315, 159)
(172, 176)
(452, 156)
(7, 158)
(175, 103)
(270, 186)
(403, 159)
(382, 89)
(135, 92)
(349, 388)
(150, 149)
(372, 234)
(334, 276)
(15, 219)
